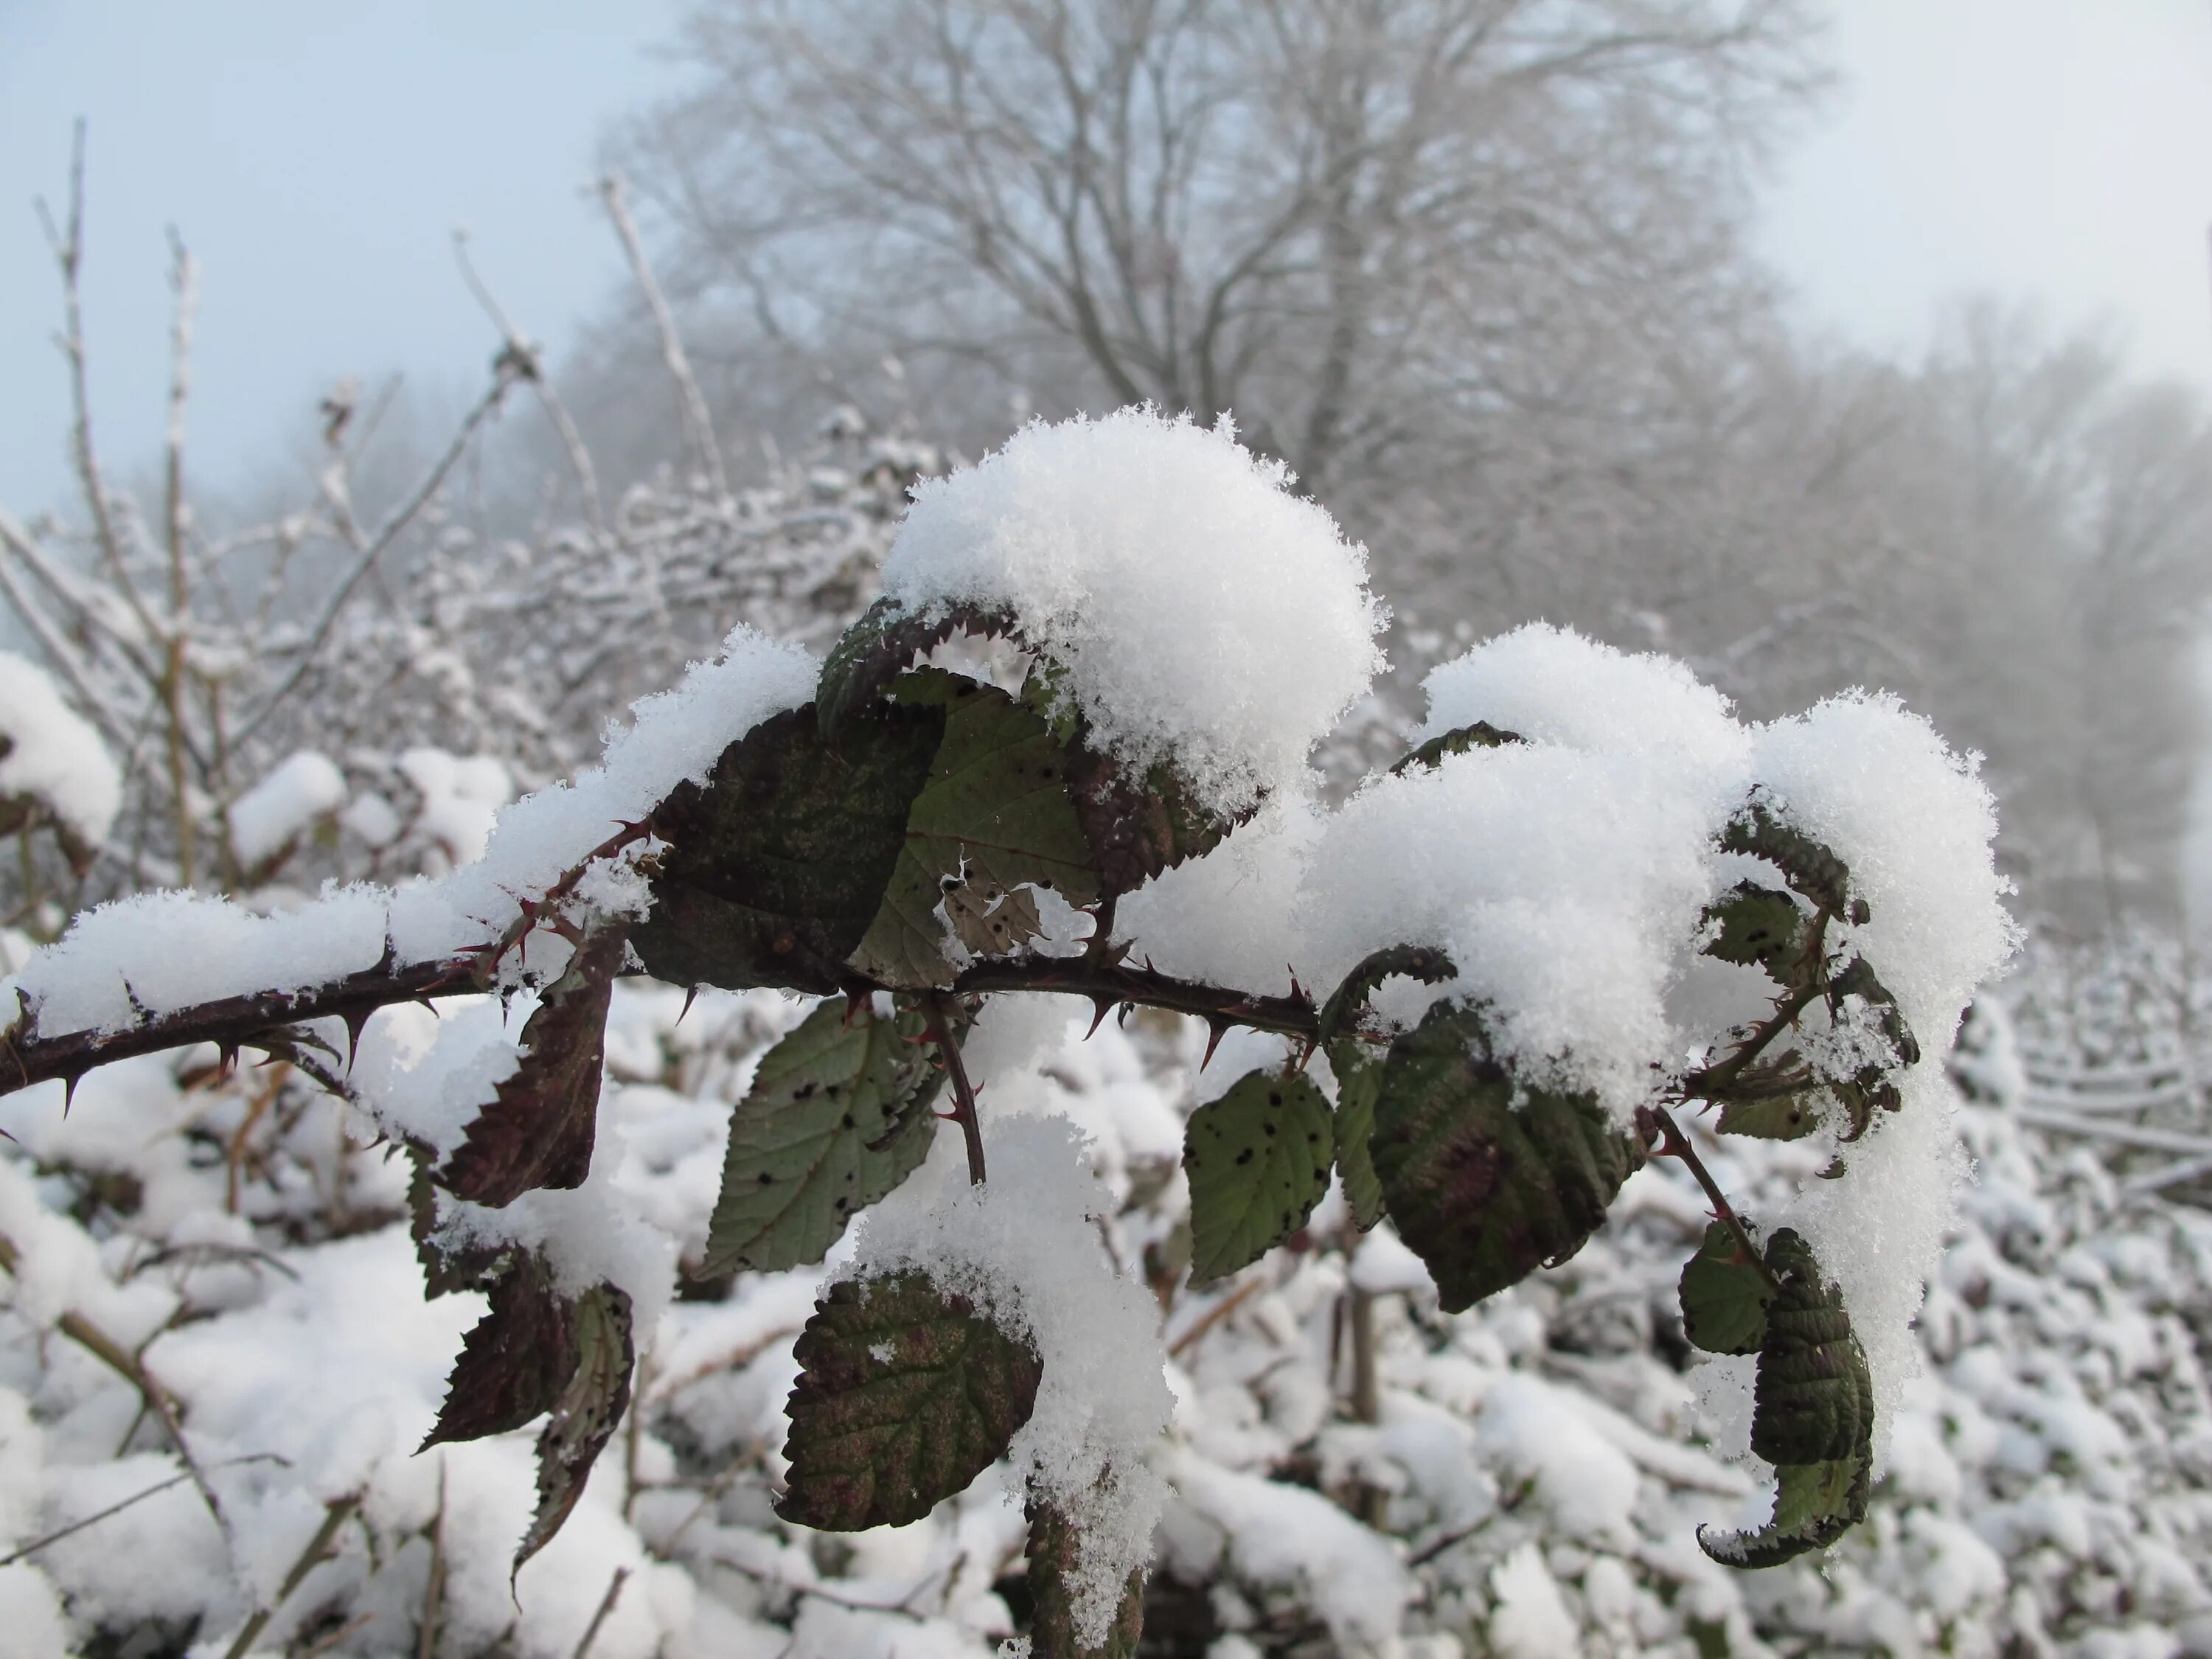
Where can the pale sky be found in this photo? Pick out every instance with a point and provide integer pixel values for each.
(317, 156)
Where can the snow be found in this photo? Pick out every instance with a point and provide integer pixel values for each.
(1203, 612)
(155, 952)
(284, 805)
(1023, 1246)
(1530, 1620)
(51, 755)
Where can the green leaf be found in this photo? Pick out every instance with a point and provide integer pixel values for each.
(904, 1395)
(584, 1413)
(1762, 928)
(1419, 962)
(1056, 1628)
(777, 867)
(539, 1128)
(1724, 1295)
(1480, 735)
(1811, 1415)
(838, 1114)
(1774, 1117)
(1810, 867)
(1484, 1178)
(876, 649)
(996, 811)
(1813, 1401)
(1258, 1160)
(1358, 1068)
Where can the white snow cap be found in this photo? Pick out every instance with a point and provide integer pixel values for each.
(50, 754)
(278, 809)
(1204, 613)
(1024, 1247)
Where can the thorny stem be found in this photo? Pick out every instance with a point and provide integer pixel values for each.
(1673, 1143)
(937, 1012)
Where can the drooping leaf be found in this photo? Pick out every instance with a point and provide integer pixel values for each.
(514, 1363)
(1358, 1068)
(1773, 1117)
(1813, 1401)
(1480, 735)
(448, 1265)
(777, 867)
(539, 1129)
(878, 648)
(1810, 867)
(1858, 980)
(996, 811)
(1419, 962)
(589, 1405)
(1724, 1295)
(1258, 1159)
(838, 1114)
(1486, 1180)
(1056, 1628)
(1811, 1415)
(1762, 928)
(904, 1395)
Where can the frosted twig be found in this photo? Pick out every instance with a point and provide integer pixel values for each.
(504, 376)
(937, 1012)
(132, 1370)
(335, 1514)
(607, 1607)
(696, 421)
(136, 1498)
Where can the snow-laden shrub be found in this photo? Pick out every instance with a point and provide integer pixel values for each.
(1588, 903)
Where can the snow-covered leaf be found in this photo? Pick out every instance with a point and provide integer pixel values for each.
(878, 648)
(1139, 825)
(1258, 1159)
(1773, 1117)
(1457, 741)
(1054, 1553)
(838, 1114)
(1724, 1295)
(904, 1395)
(1486, 1178)
(777, 867)
(1760, 926)
(538, 1130)
(995, 812)
(1417, 962)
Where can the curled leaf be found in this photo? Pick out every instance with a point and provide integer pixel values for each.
(878, 648)
(1762, 928)
(904, 1395)
(1258, 1159)
(1358, 1068)
(1810, 867)
(1421, 962)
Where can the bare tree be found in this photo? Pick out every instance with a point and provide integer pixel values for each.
(1368, 228)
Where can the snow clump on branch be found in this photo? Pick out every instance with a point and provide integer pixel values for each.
(1202, 612)
(51, 757)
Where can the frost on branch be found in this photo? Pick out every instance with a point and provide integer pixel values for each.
(54, 770)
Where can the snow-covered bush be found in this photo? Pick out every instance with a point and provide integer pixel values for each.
(1066, 755)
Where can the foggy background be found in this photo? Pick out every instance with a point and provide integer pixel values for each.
(1863, 345)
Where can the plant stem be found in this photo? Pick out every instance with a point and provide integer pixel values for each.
(334, 1516)
(936, 1009)
(607, 1607)
(1674, 1143)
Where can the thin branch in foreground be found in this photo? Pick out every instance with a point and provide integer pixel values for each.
(937, 1011)
(335, 1514)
